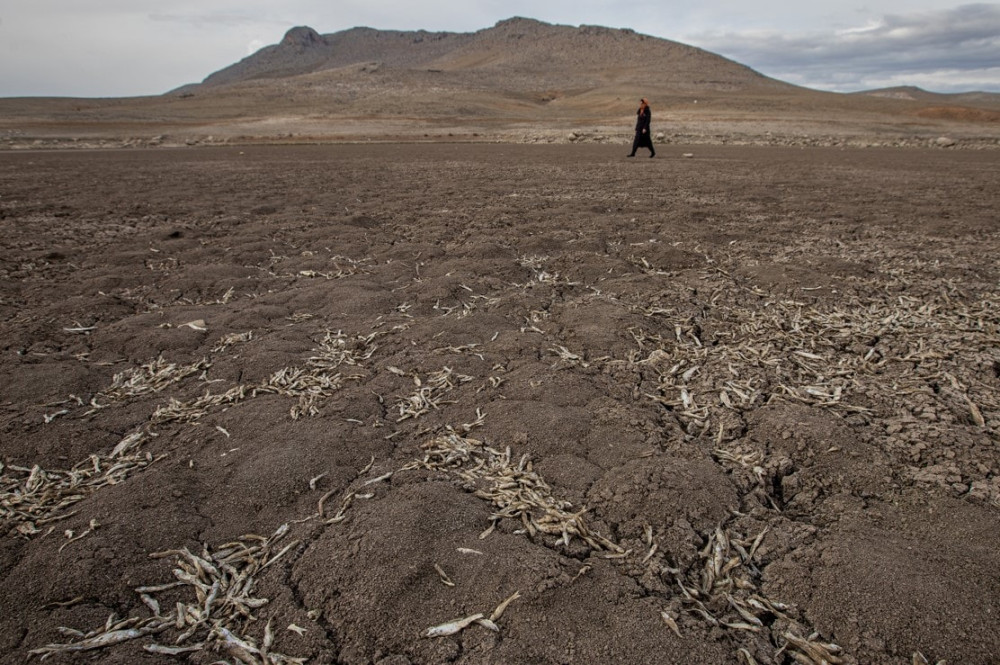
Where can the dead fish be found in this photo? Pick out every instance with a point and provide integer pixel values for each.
(671, 623)
(739, 625)
(212, 595)
(173, 651)
(151, 603)
(52, 416)
(71, 633)
(444, 576)
(191, 580)
(313, 481)
(757, 541)
(268, 642)
(743, 612)
(386, 476)
(100, 641)
(502, 607)
(452, 627)
(238, 648)
(486, 623)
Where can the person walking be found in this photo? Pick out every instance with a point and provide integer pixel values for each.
(643, 138)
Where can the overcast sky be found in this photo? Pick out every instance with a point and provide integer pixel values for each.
(114, 48)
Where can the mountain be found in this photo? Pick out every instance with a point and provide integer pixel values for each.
(517, 54)
(913, 93)
(520, 79)
(520, 70)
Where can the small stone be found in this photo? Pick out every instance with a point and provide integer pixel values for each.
(979, 490)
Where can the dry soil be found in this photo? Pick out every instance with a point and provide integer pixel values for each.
(731, 404)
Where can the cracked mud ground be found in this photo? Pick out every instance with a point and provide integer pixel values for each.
(768, 376)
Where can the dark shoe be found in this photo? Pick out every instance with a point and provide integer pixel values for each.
(651, 155)
(632, 155)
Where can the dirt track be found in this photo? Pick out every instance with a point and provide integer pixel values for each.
(771, 376)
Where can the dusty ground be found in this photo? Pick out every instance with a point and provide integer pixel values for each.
(737, 407)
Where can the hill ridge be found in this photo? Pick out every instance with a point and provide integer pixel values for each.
(538, 52)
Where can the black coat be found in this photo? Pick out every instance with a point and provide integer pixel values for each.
(643, 116)
(642, 135)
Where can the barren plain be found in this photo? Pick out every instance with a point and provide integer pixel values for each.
(473, 403)
(325, 364)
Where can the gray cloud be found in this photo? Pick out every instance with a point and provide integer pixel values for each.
(224, 19)
(945, 51)
(189, 19)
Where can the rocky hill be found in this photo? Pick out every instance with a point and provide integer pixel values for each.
(520, 80)
(525, 53)
(913, 93)
(304, 51)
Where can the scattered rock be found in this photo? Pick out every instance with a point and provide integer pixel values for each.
(938, 474)
(302, 36)
(985, 490)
